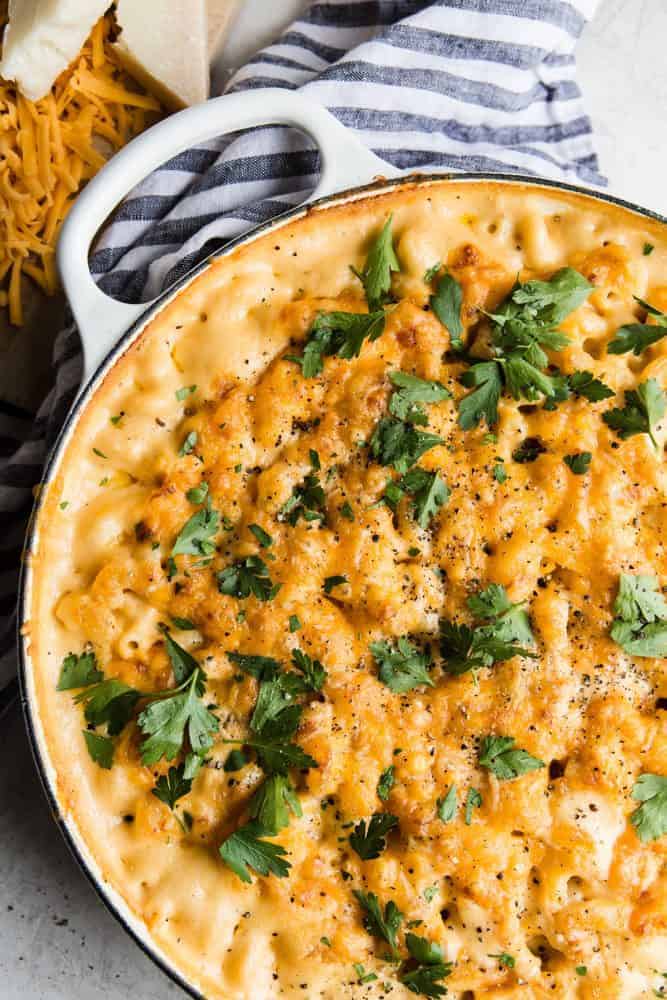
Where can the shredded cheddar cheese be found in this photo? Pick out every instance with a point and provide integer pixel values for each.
(49, 149)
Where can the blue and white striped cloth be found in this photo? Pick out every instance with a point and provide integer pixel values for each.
(451, 85)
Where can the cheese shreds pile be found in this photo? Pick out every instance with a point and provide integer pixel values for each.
(50, 148)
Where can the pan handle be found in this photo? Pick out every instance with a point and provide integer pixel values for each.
(101, 321)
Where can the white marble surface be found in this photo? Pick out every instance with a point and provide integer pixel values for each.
(56, 940)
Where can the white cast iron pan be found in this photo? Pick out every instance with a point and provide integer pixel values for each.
(108, 328)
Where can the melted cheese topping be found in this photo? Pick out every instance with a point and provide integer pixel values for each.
(549, 869)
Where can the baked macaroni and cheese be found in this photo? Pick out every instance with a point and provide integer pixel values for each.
(348, 623)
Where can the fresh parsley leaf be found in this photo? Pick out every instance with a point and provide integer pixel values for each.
(276, 714)
(339, 333)
(640, 623)
(446, 305)
(499, 755)
(403, 666)
(381, 261)
(272, 803)
(399, 444)
(431, 968)
(386, 782)
(579, 462)
(528, 451)
(78, 671)
(363, 976)
(314, 674)
(499, 472)
(446, 807)
(473, 801)
(523, 327)
(236, 759)
(431, 892)
(369, 839)
(183, 624)
(262, 668)
(245, 849)
(485, 379)
(503, 636)
(644, 407)
(111, 702)
(100, 748)
(508, 961)
(262, 536)
(636, 337)
(307, 501)
(195, 536)
(173, 786)
(245, 577)
(188, 443)
(650, 818)
(165, 721)
(583, 383)
(428, 491)
(410, 391)
(184, 392)
(333, 581)
(347, 512)
(278, 757)
(381, 924)
(182, 663)
(431, 272)
(294, 623)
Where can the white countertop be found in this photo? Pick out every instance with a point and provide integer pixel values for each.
(56, 940)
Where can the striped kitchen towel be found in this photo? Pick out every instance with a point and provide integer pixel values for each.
(453, 85)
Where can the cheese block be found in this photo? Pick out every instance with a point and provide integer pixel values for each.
(42, 38)
(221, 13)
(164, 46)
(162, 43)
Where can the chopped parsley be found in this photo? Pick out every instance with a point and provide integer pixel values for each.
(399, 444)
(499, 472)
(369, 839)
(245, 577)
(307, 501)
(473, 801)
(109, 702)
(184, 392)
(100, 748)
(384, 924)
(446, 305)
(314, 674)
(380, 263)
(333, 581)
(508, 961)
(431, 272)
(167, 720)
(529, 450)
(409, 392)
(236, 759)
(362, 975)
(386, 782)
(195, 537)
(347, 512)
(403, 666)
(644, 408)
(262, 536)
(579, 462)
(583, 383)
(640, 622)
(523, 328)
(648, 249)
(650, 818)
(581, 970)
(273, 802)
(294, 623)
(503, 632)
(198, 494)
(189, 442)
(339, 333)
(636, 337)
(427, 490)
(506, 761)
(424, 972)
(245, 850)
(173, 786)
(446, 806)
(79, 671)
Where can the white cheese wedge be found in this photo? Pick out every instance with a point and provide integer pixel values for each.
(42, 38)
(163, 44)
